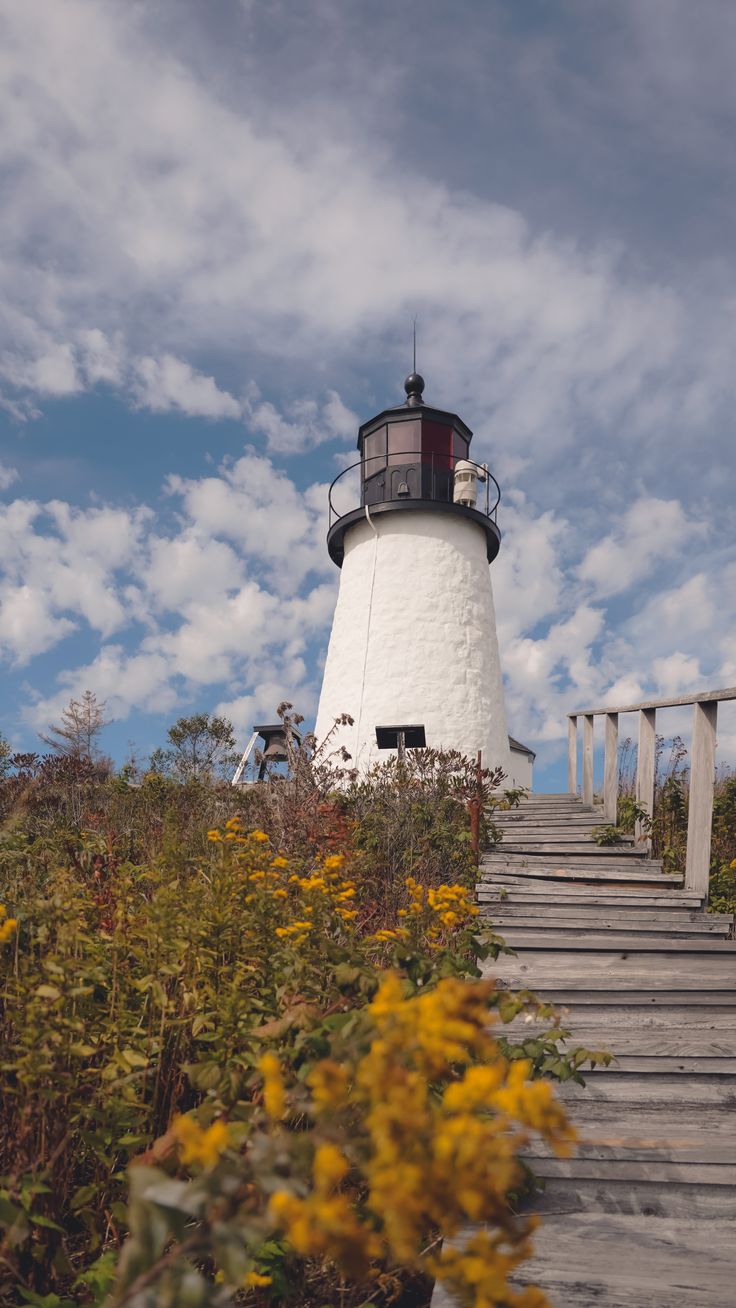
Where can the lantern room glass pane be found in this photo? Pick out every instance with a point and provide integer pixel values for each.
(459, 446)
(374, 452)
(404, 441)
(436, 444)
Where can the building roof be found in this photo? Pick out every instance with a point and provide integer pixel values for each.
(521, 749)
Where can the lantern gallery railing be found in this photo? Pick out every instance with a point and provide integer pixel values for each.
(404, 475)
(702, 769)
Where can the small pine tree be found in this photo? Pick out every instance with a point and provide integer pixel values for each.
(5, 753)
(75, 736)
(201, 747)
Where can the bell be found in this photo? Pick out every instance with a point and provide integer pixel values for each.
(276, 744)
(275, 750)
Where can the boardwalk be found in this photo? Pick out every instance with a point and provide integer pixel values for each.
(644, 1216)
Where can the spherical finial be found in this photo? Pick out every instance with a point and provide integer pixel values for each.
(414, 386)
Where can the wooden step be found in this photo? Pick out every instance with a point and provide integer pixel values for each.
(644, 1092)
(618, 1260)
(557, 914)
(651, 1172)
(567, 896)
(620, 1134)
(574, 941)
(610, 872)
(516, 919)
(575, 845)
(608, 971)
(610, 1020)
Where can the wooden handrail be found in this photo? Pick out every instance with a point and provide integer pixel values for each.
(702, 769)
(703, 697)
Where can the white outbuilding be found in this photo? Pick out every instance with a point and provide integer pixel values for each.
(413, 647)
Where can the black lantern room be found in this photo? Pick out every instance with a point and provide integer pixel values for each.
(417, 457)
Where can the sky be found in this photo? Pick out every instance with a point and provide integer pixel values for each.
(218, 220)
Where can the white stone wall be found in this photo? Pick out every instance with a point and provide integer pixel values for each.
(521, 770)
(414, 638)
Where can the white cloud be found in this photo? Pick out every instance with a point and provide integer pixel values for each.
(651, 530)
(307, 424)
(169, 383)
(7, 477)
(176, 220)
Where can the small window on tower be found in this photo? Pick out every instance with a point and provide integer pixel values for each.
(459, 446)
(403, 441)
(374, 452)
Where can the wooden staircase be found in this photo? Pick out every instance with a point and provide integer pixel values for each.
(644, 1216)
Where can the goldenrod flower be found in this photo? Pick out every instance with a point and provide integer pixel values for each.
(199, 1144)
(329, 1082)
(253, 1279)
(329, 1168)
(8, 928)
(274, 1090)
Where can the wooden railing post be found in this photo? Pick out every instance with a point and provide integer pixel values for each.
(702, 783)
(572, 755)
(588, 758)
(645, 762)
(610, 769)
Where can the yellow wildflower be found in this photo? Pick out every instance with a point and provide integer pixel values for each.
(233, 824)
(387, 936)
(258, 835)
(279, 862)
(199, 1144)
(214, 835)
(329, 1083)
(8, 928)
(296, 931)
(279, 894)
(274, 1090)
(254, 1279)
(329, 1168)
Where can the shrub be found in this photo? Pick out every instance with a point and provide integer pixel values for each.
(174, 1025)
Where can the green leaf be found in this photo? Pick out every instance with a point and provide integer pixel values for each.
(82, 1196)
(38, 1219)
(133, 1058)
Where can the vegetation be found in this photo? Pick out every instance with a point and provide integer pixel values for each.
(247, 1053)
(76, 735)
(200, 747)
(668, 826)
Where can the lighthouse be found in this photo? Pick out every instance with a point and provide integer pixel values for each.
(413, 654)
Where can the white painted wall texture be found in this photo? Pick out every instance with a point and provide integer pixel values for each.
(414, 639)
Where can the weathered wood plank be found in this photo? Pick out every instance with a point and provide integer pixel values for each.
(609, 872)
(620, 1261)
(582, 940)
(588, 760)
(715, 1174)
(610, 768)
(572, 754)
(568, 896)
(645, 766)
(705, 697)
(555, 918)
(651, 1091)
(700, 808)
(554, 991)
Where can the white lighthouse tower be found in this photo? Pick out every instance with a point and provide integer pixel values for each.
(413, 641)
